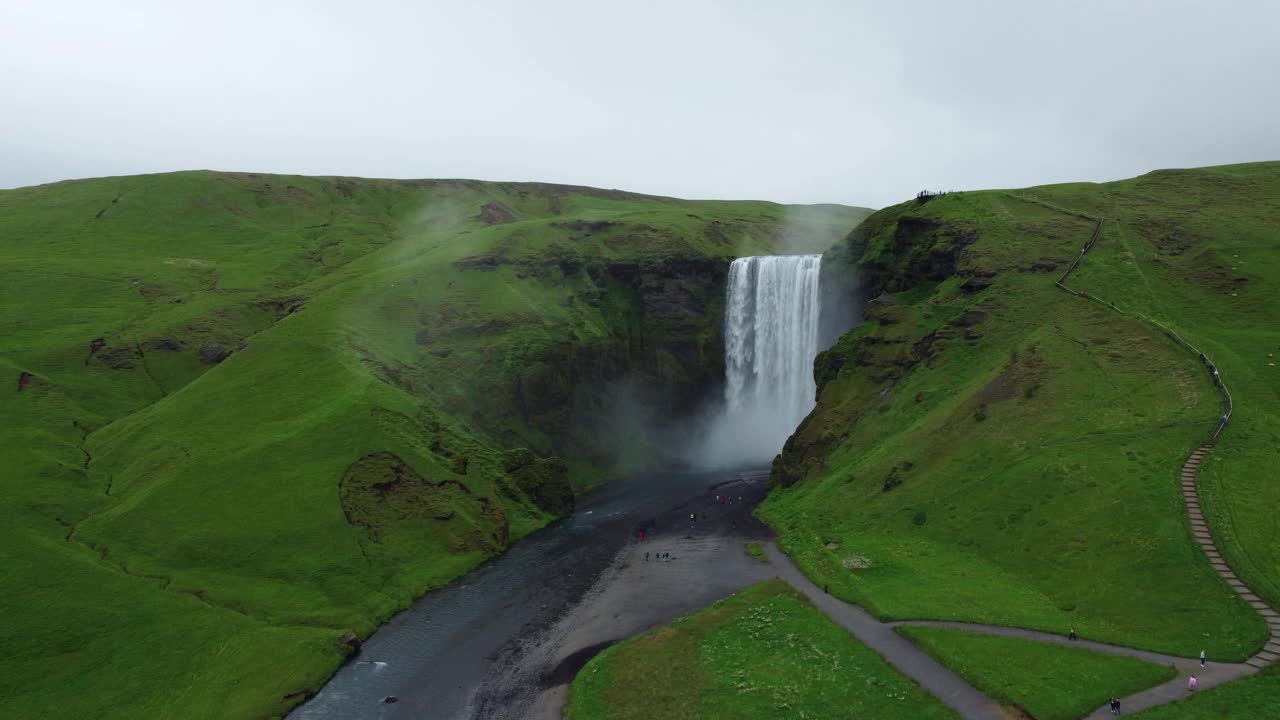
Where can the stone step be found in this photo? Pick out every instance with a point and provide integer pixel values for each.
(1256, 662)
(1269, 613)
(1234, 583)
(1272, 646)
(1268, 656)
(1258, 605)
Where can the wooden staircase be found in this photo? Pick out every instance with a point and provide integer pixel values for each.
(1200, 531)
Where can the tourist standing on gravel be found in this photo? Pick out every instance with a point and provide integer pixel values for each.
(1201, 658)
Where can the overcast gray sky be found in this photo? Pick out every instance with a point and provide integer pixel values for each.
(854, 102)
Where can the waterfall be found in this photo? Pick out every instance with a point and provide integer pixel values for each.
(771, 338)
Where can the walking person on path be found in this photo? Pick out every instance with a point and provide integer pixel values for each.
(1072, 635)
(646, 557)
(1192, 682)
(1201, 658)
(1115, 706)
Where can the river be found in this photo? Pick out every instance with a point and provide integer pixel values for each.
(506, 639)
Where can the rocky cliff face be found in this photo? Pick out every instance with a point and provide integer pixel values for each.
(601, 395)
(893, 251)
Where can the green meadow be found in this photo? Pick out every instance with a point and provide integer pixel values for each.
(763, 653)
(1047, 682)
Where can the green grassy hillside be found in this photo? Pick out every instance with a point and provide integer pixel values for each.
(998, 450)
(1038, 680)
(251, 416)
(763, 653)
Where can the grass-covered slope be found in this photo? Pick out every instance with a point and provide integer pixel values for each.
(250, 416)
(1042, 681)
(763, 653)
(998, 450)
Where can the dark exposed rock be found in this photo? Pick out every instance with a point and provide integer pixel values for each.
(894, 478)
(544, 480)
(117, 358)
(348, 642)
(213, 353)
(167, 344)
(975, 284)
(586, 227)
(828, 365)
(94, 346)
(282, 306)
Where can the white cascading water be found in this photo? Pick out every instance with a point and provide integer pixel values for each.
(771, 338)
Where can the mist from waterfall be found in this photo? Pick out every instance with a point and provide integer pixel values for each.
(771, 338)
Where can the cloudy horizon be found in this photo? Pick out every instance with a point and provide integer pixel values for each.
(817, 102)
